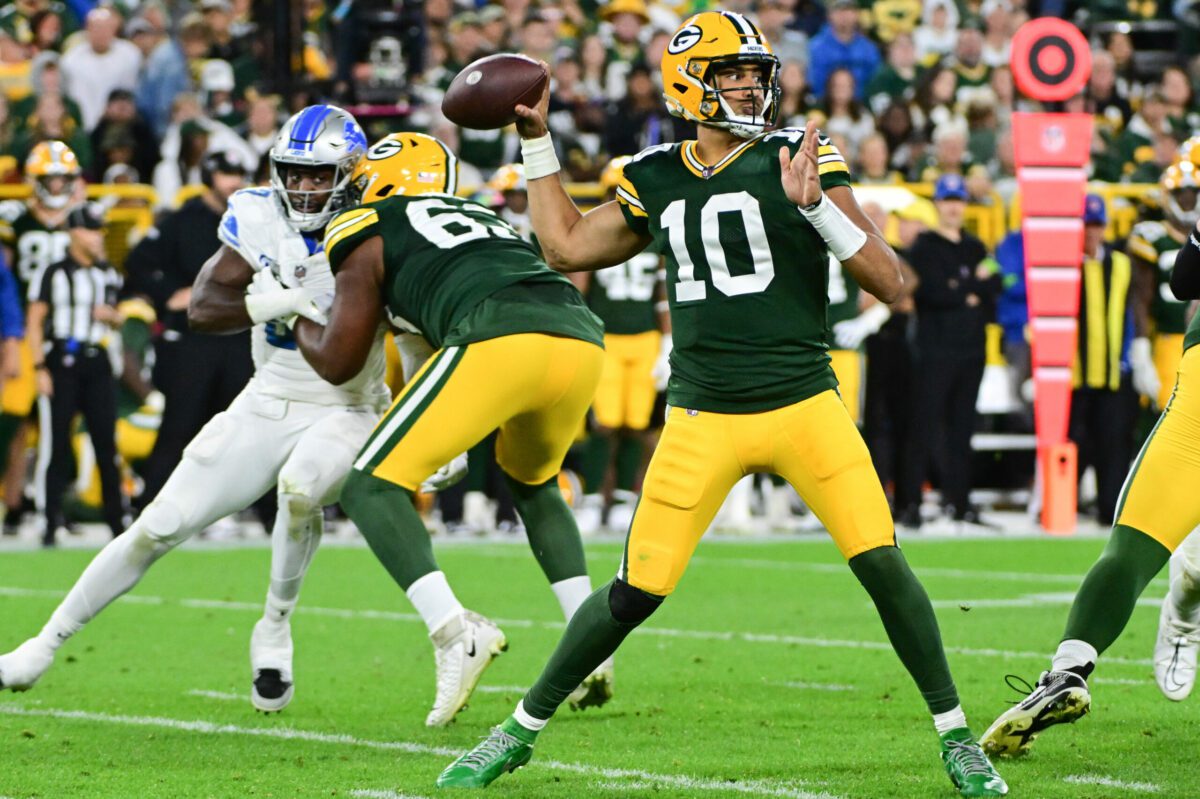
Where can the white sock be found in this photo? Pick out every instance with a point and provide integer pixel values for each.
(1073, 654)
(1185, 580)
(294, 540)
(276, 610)
(527, 721)
(950, 720)
(433, 599)
(115, 569)
(571, 592)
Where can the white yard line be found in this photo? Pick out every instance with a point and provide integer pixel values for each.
(222, 695)
(1109, 782)
(663, 632)
(1025, 601)
(367, 793)
(502, 689)
(1118, 681)
(814, 686)
(679, 781)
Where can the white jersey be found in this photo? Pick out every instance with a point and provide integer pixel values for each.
(254, 227)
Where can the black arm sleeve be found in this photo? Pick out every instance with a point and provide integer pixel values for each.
(1185, 277)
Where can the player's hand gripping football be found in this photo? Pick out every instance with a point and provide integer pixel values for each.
(799, 175)
(531, 122)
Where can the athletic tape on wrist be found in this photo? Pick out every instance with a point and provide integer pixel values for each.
(843, 236)
(539, 157)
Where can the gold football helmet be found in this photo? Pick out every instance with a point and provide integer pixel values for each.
(510, 177)
(612, 173)
(404, 164)
(700, 47)
(1190, 151)
(1180, 189)
(54, 170)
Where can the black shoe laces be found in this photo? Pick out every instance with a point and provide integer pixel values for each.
(1020, 685)
(969, 756)
(494, 745)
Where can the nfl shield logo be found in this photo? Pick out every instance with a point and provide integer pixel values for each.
(1054, 139)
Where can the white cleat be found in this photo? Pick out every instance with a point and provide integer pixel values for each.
(271, 665)
(1175, 652)
(25, 665)
(595, 690)
(462, 648)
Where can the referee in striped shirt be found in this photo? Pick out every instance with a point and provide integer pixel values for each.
(70, 317)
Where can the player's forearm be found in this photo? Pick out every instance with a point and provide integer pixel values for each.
(218, 309)
(334, 358)
(877, 269)
(553, 215)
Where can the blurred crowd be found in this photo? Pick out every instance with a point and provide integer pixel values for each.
(911, 92)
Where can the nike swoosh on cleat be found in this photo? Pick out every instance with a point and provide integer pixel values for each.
(471, 654)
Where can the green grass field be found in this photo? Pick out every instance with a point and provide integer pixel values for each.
(767, 674)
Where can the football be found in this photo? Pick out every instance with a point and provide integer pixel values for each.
(483, 95)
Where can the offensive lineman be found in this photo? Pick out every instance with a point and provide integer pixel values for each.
(518, 350)
(288, 426)
(746, 228)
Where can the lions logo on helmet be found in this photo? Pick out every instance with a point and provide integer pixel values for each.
(702, 46)
(1180, 186)
(316, 137)
(54, 171)
(405, 164)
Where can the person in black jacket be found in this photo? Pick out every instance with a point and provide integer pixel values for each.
(955, 299)
(198, 374)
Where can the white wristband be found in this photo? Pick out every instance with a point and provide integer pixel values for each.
(538, 157)
(843, 236)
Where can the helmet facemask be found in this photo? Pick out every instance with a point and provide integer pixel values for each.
(52, 196)
(1183, 205)
(320, 137)
(310, 210)
(717, 110)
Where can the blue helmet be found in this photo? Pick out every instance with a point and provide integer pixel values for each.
(317, 136)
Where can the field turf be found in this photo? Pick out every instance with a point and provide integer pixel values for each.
(767, 674)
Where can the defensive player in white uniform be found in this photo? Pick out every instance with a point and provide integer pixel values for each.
(287, 427)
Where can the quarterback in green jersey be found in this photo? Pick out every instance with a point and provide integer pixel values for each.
(517, 350)
(747, 218)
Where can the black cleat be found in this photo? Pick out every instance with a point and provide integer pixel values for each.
(270, 692)
(1058, 697)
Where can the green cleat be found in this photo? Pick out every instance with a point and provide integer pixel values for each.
(501, 751)
(968, 767)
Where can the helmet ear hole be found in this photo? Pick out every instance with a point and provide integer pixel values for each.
(385, 191)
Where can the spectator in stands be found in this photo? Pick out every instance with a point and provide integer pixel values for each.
(1150, 162)
(840, 44)
(99, 64)
(20, 20)
(795, 99)
(493, 27)
(1103, 403)
(967, 62)
(219, 16)
(788, 44)
(262, 123)
(1149, 122)
(198, 374)
(217, 93)
(933, 100)
(627, 19)
(593, 60)
(47, 29)
(895, 124)
(47, 78)
(122, 127)
(164, 73)
(997, 32)
(174, 169)
(537, 37)
(1012, 314)
(640, 119)
(844, 115)
(1112, 112)
(195, 41)
(874, 163)
(1120, 46)
(1179, 97)
(15, 68)
(936, 36)
(465, 43)
(955, 299)
(184, 170)
(50, 121)
(895, 79)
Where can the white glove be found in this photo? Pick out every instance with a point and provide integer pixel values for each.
(1145, 374)
(446, 476)
(662, 367)
(267, 299)
(851, 333)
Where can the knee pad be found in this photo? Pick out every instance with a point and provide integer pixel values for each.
(162, 521)
(303, 514)
(630, 605)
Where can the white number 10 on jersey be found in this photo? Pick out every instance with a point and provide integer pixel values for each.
(689, 289)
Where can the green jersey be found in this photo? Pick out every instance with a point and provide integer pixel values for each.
(747, 275)
(456, 273)
(623, 295)
(843, 293)
(1154, 243)
(34, 244)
